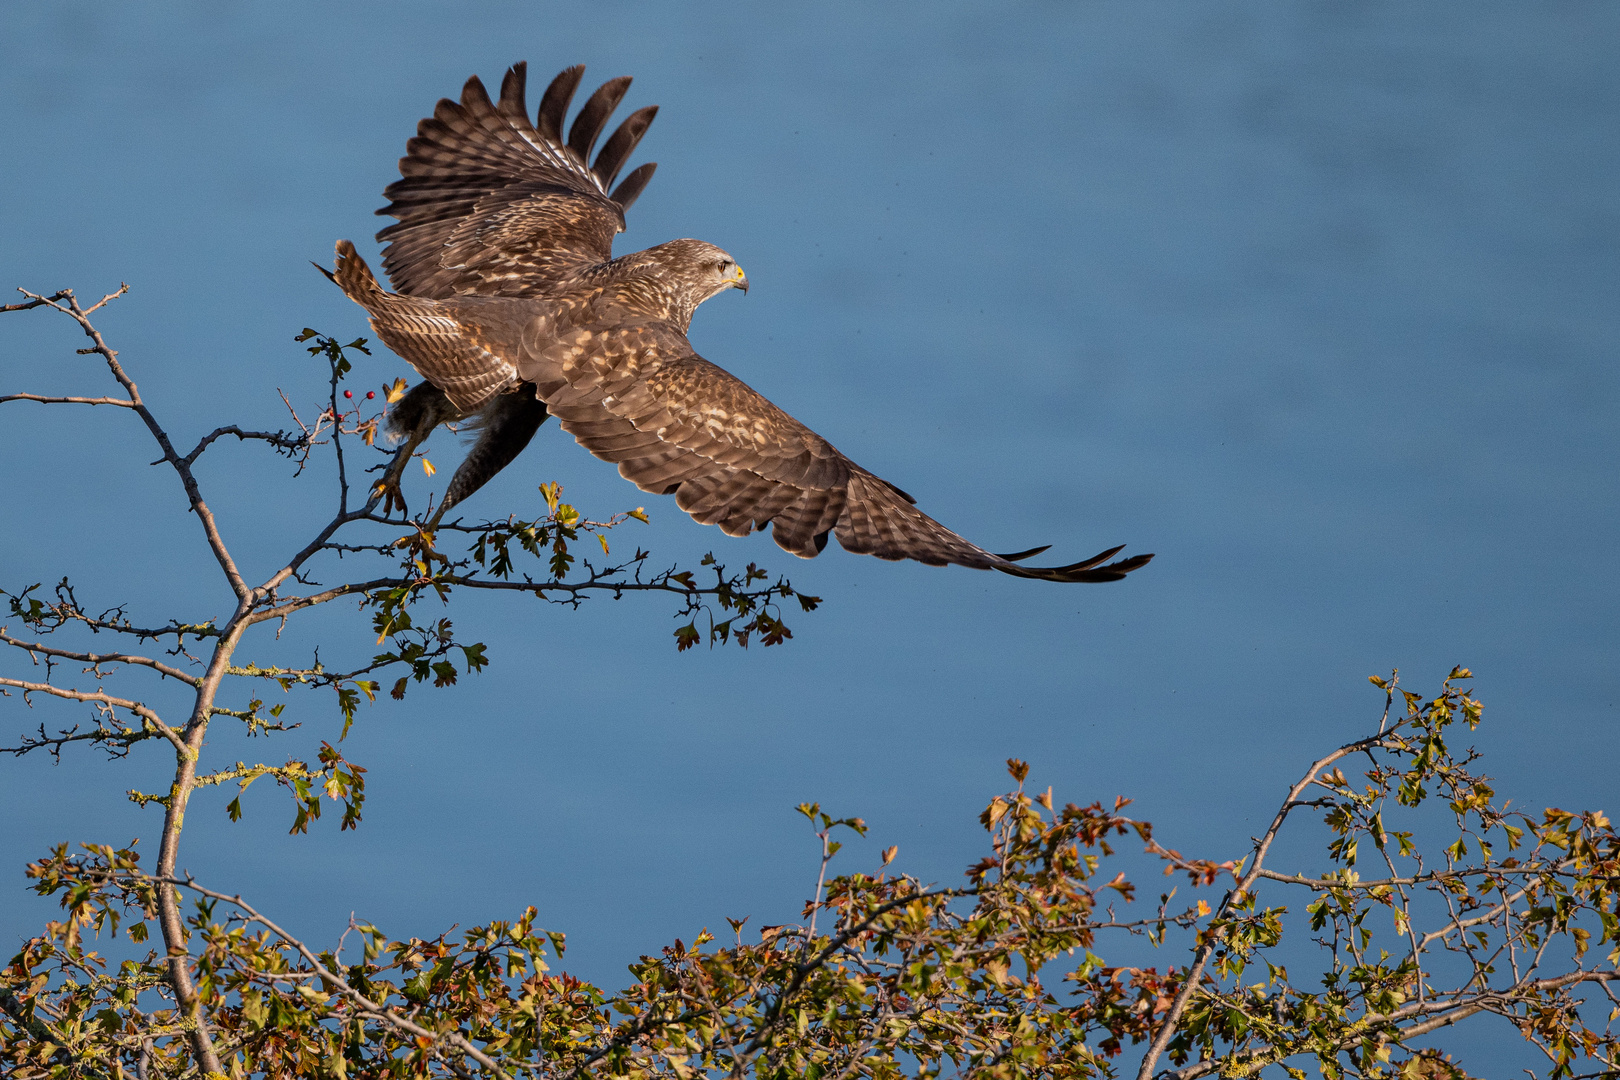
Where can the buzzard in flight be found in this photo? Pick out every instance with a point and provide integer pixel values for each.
(512, 307)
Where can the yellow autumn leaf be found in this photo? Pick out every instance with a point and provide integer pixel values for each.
(394, 391)
(427, 467)
(1203, 908)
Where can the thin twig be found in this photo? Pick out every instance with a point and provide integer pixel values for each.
(278, 439)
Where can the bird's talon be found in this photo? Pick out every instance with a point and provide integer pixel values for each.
(389, 491)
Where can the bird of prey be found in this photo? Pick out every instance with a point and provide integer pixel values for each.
(512, 307)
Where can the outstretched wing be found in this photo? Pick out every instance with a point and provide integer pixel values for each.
(676, 424)
(490, 203)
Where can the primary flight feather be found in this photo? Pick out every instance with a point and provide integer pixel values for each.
(512, 307)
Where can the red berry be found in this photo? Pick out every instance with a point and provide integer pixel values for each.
(370, 394)
(348, 393)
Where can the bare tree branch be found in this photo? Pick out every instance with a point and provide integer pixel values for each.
(67, 400)
(68, 304)
(96, 659)
(97, 697)
(37, 301)
(278, 439)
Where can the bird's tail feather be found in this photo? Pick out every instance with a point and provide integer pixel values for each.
(353, 276)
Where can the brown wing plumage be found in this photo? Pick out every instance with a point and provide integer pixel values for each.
(634, 393)
(676, 424)
(494, 204)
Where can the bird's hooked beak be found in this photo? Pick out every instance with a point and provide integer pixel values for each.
(737, 279)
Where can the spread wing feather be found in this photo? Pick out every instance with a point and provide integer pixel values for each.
(630, 190)
(593, 116)
(640, 397)
(620, 145)
(554, 102)
(492, 204)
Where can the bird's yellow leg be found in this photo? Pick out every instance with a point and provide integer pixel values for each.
(388, 488)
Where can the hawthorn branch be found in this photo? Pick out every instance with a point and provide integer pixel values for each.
(43, 400)
(833, 947)
(39, 1029)
(280, 440)
(117, 740)
(702, 977)
(1505, 906)
(366, 1006)
(68, 304)
(97, 659)
(1558, 869)
(540, 588)
(343, 517)
(67, 609)
(37, 301)
(185, 782)
(651, 1022)
(1206, 949)
(1436, 1015)
(147, 716)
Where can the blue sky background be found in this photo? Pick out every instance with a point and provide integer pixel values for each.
(1316, 301)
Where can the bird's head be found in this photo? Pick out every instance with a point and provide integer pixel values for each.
(680, 274)
(699, 270)
(727, 273)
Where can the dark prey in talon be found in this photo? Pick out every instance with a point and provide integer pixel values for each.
(511, 305)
